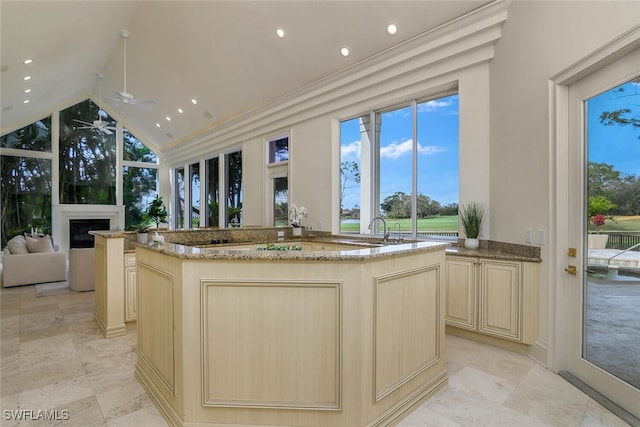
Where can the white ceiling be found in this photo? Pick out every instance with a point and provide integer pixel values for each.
(223, 53)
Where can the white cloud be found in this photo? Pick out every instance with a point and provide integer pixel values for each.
(396, 150)
(434, 105)
(352, 149)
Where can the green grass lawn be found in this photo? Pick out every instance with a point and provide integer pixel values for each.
(436, 223)
(620, 223)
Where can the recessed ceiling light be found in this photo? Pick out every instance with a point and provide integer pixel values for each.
(158, 125)
(168, 118)
(27, 61)
(26, 101)
(344, 51)
(27, 78)
(193, 101)
(180, 110)
(280, 32)
(392, 28)
(27, 90)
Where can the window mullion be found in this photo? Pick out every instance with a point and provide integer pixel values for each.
(414, 170)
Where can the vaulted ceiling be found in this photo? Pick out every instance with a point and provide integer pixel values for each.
(223, 54)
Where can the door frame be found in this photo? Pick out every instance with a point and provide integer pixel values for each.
(563, 308)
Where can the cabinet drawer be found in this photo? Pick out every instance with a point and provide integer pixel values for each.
(129, 260)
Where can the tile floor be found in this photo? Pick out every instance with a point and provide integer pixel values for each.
(53, 357)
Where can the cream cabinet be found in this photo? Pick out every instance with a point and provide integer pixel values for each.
(130, 302)
(493, 297)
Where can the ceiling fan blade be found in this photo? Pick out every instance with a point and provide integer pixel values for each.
(84, 123)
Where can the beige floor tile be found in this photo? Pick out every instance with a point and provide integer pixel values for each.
(53, 356)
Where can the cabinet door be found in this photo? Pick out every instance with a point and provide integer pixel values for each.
(500, 299)
(460, 288)
(130, 299)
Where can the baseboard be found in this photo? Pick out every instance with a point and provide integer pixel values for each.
(539, 353)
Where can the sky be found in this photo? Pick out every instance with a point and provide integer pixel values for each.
(437, 151)
(615, 145)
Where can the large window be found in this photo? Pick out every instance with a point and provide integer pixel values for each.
(281, 202)
(25, 179)
(26, 195)
(179, 196)
(187, 192)
(140, 178)
(87, 164)
(234, 188)
(411, 155)
(194, 179)
(87, 157)
(35, 137)
(213, 192)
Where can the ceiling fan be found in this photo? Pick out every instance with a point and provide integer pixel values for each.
(99, 124)
(125, 97)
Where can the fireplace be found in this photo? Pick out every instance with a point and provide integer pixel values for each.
(79, 236)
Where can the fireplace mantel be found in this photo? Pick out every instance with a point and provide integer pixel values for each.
(61, 214)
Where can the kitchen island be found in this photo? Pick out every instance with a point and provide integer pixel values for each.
(321, 333)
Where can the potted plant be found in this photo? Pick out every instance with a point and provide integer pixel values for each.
(472, 216)
(595, 207)
(295, 217)
(143, 230)
(157, 211)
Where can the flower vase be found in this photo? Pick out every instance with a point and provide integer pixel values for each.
(297, 231)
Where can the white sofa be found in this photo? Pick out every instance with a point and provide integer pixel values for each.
(31, 268)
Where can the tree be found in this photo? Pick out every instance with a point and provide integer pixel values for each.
(398, 205)
(349, 171)
(601, 179)
(622, 116)
(599, 205)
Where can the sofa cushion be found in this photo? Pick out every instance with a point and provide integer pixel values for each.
(18, 245)
(39, 245)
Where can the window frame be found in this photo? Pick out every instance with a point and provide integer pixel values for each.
(273, 171)
(370, 161)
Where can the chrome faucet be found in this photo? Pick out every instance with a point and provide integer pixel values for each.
(399, 239)
(385, 235)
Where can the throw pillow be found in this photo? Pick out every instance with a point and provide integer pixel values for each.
(39, 245)
(18, 245)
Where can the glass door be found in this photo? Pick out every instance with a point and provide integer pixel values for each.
(603, 216)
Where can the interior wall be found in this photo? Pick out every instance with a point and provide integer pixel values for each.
(539, 40)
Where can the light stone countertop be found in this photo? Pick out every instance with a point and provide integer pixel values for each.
(192, 250)
(228, 252)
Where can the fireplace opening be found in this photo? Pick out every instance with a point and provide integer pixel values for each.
(79, 236)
